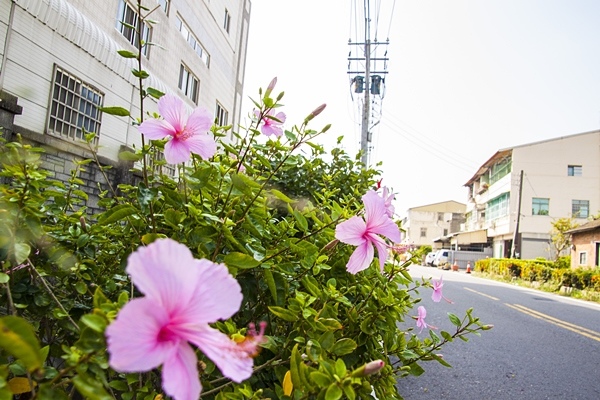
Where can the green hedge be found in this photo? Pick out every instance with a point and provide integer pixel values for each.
(541, 270)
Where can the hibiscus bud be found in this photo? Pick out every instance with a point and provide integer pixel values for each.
(280, 96)
(271, 87)
(330, 245)
(369, 368)
(82, 223)
(326, 128)
(487, 327)
(315, 112)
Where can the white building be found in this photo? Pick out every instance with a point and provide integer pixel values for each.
(59, 62)
(426, 224)
(560, 178)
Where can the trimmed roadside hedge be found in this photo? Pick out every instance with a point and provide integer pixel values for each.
(540, 270)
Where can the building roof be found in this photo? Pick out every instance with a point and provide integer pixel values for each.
(442, 206)
(502, 153)
(589, 226)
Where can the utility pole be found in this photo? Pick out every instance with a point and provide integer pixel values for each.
(367, 81)
(514, 248)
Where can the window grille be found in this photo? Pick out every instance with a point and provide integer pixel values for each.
(73, 107)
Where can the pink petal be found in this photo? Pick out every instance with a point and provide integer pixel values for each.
(382, 250)
(233, 361)
(377, 217)
(166, 272)
(173, 110)
(361, 258)
(217, 295)
(155, 129)
(177, 151)
(180, 374)
(281, 117)
(200, 121)
(436, 296)
(269, 130)
(132, 337)
(351, 231)
(202, 144)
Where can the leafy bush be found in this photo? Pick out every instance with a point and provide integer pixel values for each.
(558, 273)
(329, 333)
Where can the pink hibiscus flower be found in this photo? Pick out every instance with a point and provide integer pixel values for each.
(187, 135)
(364, 233)
(182, 297)
(271, 123)
(388, 197)
(437, 291)
(422, 313)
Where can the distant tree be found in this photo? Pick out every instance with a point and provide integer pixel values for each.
(561, 240)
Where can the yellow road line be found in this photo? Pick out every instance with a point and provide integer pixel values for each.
(481, 294)
(563, 324)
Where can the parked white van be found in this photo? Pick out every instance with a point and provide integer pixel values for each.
(460, 257)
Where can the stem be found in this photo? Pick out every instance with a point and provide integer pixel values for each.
(11, 305)
(49, 290)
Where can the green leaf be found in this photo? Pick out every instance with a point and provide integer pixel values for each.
(118, 111)
(22, 251)
(320, 378)
(340, 368)
(140, 74)
(454, 319)
(312, 285)
(157, 94)
(240, 260)
(301, 220)
(95, 322)
(129, 156)
(283, 313)
(116, 213)
(343, 346)
(4, 278)
(271, 283)
(281, 196)
(127, 54)
(151, 237)
(81, 287)
(295, 362)
(18, 339)
(90, 388)
(333, 392)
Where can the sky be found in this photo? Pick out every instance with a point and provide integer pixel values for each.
(465, 79)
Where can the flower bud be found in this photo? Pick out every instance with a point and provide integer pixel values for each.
(271, 87)
(315, 112)
(487, 327)
(330, 245)
(369, 368)
(326, 128)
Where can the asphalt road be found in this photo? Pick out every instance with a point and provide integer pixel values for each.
(542, 346)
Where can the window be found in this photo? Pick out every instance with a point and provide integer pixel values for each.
(192, 40)
(440, 216)
(127, 18)
(540, 206)
(227, 21)
(423, 232)
(497, 207)
(500, 170)
(574, 170)
(583, 258)
(188, 83)
(164, 4)
(580, 208)
(73, 107)
(160, 166)
(445, 232)
(221, 115)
